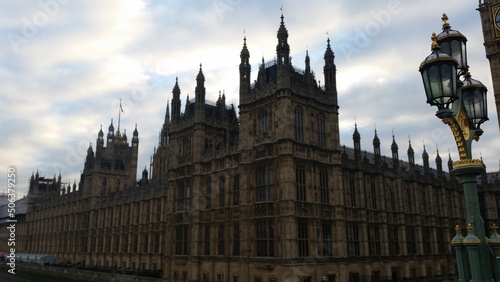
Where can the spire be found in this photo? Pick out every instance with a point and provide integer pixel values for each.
(376, 145)
(329, 71)
(111, 132)
(395, 155)
(308, 66)
(356, 137)
(245, 68)
(283, 49)
(167, 114)
(100, 139)
(450, 163)
(439, 162)
(200, 87)
(176, 101)
(425, 158)
(411, 154)
(135, 138)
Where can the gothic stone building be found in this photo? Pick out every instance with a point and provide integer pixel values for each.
(268, 194)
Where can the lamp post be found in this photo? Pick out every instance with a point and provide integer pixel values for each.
(462, 106)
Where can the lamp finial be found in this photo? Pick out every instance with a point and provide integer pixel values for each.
(434, 44)
(446, 25)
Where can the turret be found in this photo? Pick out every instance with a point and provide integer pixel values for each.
(307, 71)
(411, 154)
(100, 140)
(376, 147)
(135, 139)
(439, 163)
(395, 155)
(200, 88)
(176, 102)
(111, 132)
(89, 160)
(356, 137)
(330, 71)
(425, 159)
(245, 68)
(283, 49)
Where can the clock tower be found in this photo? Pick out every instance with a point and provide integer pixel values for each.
(489, 11)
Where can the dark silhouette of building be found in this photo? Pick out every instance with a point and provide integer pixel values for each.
(266, 195)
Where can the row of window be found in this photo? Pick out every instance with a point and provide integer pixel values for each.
(394, 241)
(411, 199)
(264, 126)
(264, 188)
(265, 235)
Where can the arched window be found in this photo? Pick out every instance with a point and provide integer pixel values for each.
(299, 125)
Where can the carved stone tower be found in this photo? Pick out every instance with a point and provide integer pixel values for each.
(489, 11)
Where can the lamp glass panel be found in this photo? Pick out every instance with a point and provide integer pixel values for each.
(435, 83)
(456, 52)
(448, 83)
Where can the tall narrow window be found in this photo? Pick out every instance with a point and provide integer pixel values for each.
(265, 238)
(236, 190)
(186, 147)
(393, 239)
(208, 195)
(392, 198)
(145, 240)
(264, 123)
(206, 243)
(157, 243)
(264, 183)
(183, 196)
(299, 125)
(222, 192)
(373, 194)
(300, 183)
(353, 245)
(352, 191)
(181, 239)
(221, 239)
(321, 130)
(325, 248)
(411, 244)
(374, 240)
(303, 238)
(323, 187)
(426, 239)
(236, 238)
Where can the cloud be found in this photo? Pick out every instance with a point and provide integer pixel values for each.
(65, 67)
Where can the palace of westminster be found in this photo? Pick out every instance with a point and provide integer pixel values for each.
(266, 193)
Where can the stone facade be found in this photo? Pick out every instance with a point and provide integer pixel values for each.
(263, 194)
(490, 22)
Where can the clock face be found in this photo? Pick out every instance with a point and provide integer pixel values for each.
(497, 19)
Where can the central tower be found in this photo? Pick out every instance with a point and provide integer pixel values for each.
(290, 156)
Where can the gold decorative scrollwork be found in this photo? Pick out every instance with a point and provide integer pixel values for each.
(461, 131)
(467, 162)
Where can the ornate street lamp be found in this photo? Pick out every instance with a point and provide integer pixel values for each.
(441, 72)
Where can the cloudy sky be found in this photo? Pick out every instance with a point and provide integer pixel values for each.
(65, 64)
